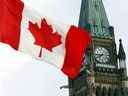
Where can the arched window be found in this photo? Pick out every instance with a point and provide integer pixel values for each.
(110, 92)
(98, 91)
(117, 92)
(104, 91)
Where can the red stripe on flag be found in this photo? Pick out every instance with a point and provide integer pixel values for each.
(10, 21)
(77, 41)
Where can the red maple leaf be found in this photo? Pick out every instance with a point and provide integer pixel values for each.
(44, 36)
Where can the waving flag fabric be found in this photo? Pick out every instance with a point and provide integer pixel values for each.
(45, 39)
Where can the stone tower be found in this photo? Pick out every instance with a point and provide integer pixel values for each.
(107, 69)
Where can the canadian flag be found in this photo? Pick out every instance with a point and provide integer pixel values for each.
(45, 39)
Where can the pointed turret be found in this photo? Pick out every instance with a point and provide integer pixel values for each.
(121, 54)
(122, 59)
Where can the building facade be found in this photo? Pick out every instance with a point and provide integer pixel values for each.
(104, 69)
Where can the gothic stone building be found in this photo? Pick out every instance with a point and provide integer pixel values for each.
(107, 69)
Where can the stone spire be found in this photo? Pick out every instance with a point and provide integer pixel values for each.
(122, 60)
(121, 53)
(93, 17)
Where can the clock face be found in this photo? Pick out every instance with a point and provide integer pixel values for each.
(101, 54)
